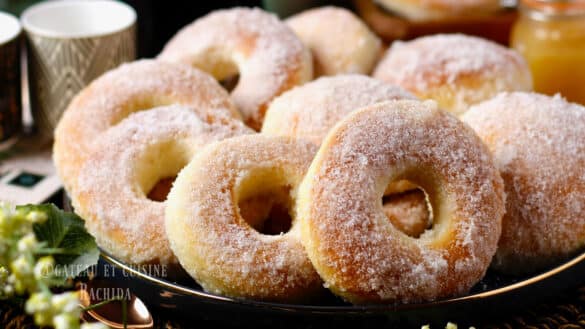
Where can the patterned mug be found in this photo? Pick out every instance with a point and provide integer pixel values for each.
(69, 44)
(10, 83)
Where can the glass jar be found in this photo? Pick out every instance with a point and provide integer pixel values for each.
(551, 36)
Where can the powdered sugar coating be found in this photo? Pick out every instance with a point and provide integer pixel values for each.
(311, 110)
(215, 244)
(268, 55)
(123, 166)
(339, 41)
(538, 144)
(137, 86)
(454, 69)
(358, 253)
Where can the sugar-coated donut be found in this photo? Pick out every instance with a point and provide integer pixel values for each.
(128, 161)
(212, 240)
(455, 70)
(130, 88)
(359, 254)
(339, 41)
(267, 55)
(538, 144)
(432, 10)
(311, 110)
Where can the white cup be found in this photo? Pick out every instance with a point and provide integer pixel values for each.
(70, 43)
(9, 28)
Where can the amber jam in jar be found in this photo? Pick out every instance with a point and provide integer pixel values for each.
(551, 36)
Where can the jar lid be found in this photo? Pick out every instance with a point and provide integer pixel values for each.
(555, 7)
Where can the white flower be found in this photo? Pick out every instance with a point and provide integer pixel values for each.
(21, 272)
(65, 321)
(8, 290)
(38, 302)
(7, 209)
(22, 277)
(4, 274)
(36, 217)
(21, 267)
(27, 243)
(67, 302)
(6, 222)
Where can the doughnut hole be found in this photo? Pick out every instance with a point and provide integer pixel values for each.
(156, 170)
(229, 83)
(161, 189)
(222, 65)
(409, 211)
(264, 201)
(415, 211)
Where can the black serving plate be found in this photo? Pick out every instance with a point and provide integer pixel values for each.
(495, 296)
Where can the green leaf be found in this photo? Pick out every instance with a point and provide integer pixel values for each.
(74, 250)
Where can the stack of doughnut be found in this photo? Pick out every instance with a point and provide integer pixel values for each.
(309, 175)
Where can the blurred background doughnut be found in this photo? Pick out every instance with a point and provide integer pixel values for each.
(339, 41)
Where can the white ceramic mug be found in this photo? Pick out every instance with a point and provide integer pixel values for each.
(69, 44)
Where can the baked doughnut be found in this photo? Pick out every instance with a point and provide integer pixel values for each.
(212, 240)
(250, 42)
(359, 254)
(454, 69)
(121, 170)
(311, 110)
(339, 41)
(432, 10)
(538, 144)
(130, 88)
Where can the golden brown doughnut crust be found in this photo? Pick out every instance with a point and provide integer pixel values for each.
(133, 87)
(268, 56)
(359, 254)
(216, 245)
(538, 143)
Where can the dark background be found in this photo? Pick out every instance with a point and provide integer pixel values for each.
(159, 20)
